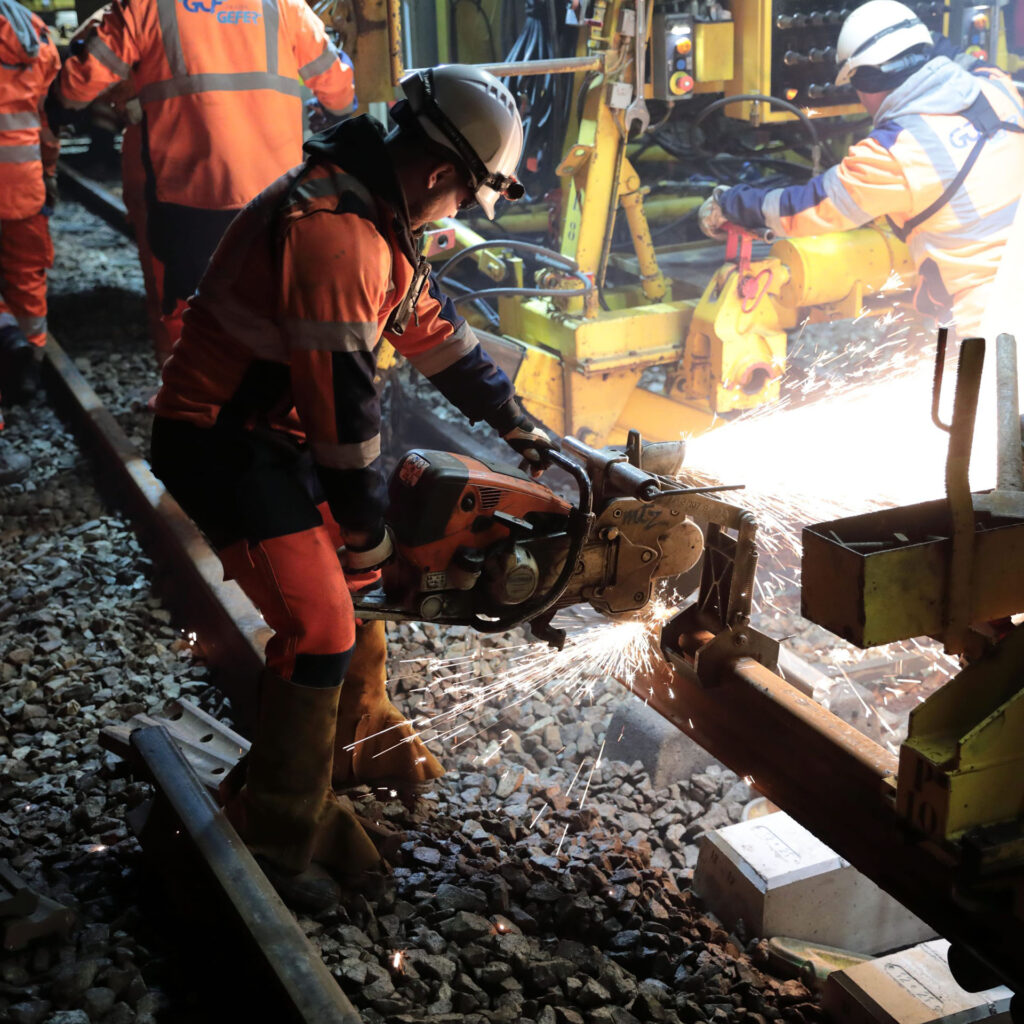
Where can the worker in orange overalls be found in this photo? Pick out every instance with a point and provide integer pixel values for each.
(28, 158)
(267, 431)
(219, 82)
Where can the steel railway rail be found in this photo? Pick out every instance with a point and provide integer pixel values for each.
(203, 862)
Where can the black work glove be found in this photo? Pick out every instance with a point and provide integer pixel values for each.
(52, 192)
(532, 443)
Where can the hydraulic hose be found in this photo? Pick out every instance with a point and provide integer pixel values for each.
(560, 261)
(537, 293)
(566, 263)
(760, 97)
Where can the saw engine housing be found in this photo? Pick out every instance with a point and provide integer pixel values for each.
(488, 546)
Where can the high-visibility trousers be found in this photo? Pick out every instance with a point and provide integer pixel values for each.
(26, 253)
(257, 500)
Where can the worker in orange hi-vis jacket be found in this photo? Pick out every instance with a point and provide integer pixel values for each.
(267, 431)
(28, 165)
(942, 163)
(220, 85)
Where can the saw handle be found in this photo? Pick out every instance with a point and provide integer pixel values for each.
(580, 521)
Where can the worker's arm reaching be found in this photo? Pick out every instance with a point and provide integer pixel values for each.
(444, 348)
(327, 70)
(102, 53)
(870, 182)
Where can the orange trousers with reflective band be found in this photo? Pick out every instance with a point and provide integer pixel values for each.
(26, 253)
(297, 583)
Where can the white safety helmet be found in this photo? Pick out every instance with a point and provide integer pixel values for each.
(875, 34)
(467, 110)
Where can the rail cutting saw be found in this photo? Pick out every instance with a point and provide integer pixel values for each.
(489, 547)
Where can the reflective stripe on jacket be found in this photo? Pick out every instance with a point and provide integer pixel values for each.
(24, 78)
(920, 141)
(220, 85)
(285, 326)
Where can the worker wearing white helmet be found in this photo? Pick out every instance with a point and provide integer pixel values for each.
(268, 433)
(469, 112)
(942, 163)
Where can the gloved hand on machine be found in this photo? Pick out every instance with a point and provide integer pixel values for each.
(710, 217)
(532, 443)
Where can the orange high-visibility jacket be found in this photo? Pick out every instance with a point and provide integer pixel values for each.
(28, 64)
(220, 85)
(284, 329)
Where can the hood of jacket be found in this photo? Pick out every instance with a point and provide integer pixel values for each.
(940, 87)
(21, 44)
(357, 146)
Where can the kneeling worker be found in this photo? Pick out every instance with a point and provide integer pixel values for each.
(267, 431)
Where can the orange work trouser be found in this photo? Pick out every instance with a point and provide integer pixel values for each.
(26, 253)
(297, 583)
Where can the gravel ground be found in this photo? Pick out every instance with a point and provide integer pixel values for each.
(541, 879)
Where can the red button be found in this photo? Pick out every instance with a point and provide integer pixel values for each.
(680, 84)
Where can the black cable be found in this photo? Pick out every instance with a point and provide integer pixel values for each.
(759, 97)
(561, 262)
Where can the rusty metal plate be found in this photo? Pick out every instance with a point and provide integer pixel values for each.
(877, 578)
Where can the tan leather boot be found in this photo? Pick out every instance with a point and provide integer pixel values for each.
(286, 812)
(374, 744)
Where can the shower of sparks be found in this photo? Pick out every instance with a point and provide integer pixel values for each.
(841, 446)
(398, 960)
(619, 649)
(597, 761)
(558, 849)
(853, 433)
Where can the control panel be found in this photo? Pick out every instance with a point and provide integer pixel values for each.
(672, 57)
(974, 28)
(787, 49)
(691, 49)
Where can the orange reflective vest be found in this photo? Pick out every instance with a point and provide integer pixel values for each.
(28, 64)
(220, 85)
(284, 329)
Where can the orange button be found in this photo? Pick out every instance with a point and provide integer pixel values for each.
(680, 84)
(684, 46)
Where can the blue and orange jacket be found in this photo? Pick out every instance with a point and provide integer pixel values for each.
(284, 328)
(220, 82)
(28, 63)
(922, 137)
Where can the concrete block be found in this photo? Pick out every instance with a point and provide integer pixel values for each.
(781, 880)
(913, 986)
(638, 733)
